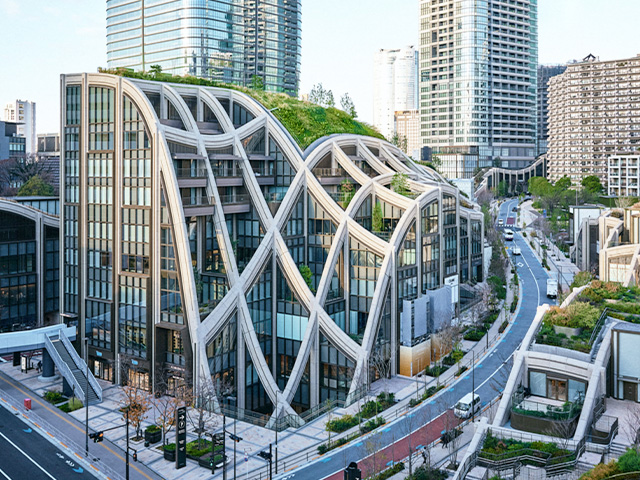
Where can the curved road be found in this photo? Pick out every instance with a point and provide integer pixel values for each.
(491, 373)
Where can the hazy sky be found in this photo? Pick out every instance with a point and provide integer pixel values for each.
(39, 39)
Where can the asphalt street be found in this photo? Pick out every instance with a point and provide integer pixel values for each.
(28, 455)
(489, 377)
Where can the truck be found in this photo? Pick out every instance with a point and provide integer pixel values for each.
(552, 285)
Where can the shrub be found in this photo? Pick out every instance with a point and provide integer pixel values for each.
(152, 428)
(71, 406)
(389, 472)
(580, 279)
(435, 371)
(53, 397)
(498, 287)
(427, 473)
(373, 424)
(602, 471)
(370, 409)
(577, 315)
(629, 461)
(338, 425)
(514, 304)
(169, 447)
(503, 326)
(474, 335)
(461, 371)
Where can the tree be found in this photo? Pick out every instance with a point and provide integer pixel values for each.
(373, 445)
(348, 106)
(400, 141)
(36, 187)
(376, 218)
(137, 402)
(539, 186)
(563, 184)
(203, 406)
(155, 70)
(16, 172)
(329, 101)
(317, 94)
(400, 183)
(592, 184)
(347, 191)
(167, 401)
(411, 421)
(503, 189)
(307, 275)
(625, 202)
(257, 82)
(452, 434)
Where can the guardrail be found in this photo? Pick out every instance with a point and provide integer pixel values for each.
(62, 366)
(596, 339)
(82, 366)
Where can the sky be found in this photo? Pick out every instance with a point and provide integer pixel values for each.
(40, 39)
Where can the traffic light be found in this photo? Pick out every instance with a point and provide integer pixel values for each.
(265, 455)
(135, 456)
(235, 438)
(97, 436)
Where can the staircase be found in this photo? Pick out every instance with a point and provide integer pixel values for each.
(72, 367)
(617, 449)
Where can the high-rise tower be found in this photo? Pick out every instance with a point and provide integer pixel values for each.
(478, 62)
(230, 41)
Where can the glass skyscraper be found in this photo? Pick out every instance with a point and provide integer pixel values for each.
(478, 79)
(230, 41)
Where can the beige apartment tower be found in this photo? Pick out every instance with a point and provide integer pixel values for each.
(594, 113)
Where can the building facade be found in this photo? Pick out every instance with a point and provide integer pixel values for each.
(225, 41)
(407, 127)
(199, 241)
(29, 263)
(395, 86)
(23, 112)
(478, 83)
(623, 175)
(594, 113)
(12, 144)
(545, 72)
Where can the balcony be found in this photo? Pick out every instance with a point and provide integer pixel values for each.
(330, 176)
(175, 358)
(542, 415)
(240, 203)
(209, 128)
(198, 206)
(191, 177)
(228, 174)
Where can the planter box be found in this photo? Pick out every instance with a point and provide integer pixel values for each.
(153, 437)
(569, 332)
(170, 455)
(203, 461)
(539, 425)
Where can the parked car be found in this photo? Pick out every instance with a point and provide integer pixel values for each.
(467, 406)
(508, 235)
(500, 221)
(517, 251)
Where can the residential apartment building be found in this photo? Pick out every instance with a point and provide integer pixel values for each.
(545, 73)
(594, 113)
(395, 86)
(623, 175)
(407, 127)
(23, 112)
(478, 83)
(200, 242)
(225, 41)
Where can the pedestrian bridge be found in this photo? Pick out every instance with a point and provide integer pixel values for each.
(55, 343)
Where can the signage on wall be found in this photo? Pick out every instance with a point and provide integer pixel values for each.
(181, 437)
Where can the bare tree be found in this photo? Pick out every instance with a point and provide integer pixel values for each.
(203, 406)
(563, 430)
(137, 403)
(631, 426)
(412, 420)
(168, 398)
(451, 438)
(380, 360)
(624, 202)
(373, 445)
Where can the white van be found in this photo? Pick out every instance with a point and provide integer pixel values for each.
(467, 406)
(508, 235)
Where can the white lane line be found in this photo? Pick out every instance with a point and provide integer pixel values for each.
(5, 475)
(28, 457)
(531, 271)
(497, 369)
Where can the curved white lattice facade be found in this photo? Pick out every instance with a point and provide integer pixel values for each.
(281, 270)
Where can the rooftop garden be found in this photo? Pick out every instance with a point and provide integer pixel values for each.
(626, 467)
(573, 326)
(497, 450)
(305, 121)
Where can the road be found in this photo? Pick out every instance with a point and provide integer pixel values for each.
(489, 375)
(26, 454)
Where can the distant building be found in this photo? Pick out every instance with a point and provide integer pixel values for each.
(478, 76)
(48, 145)
(593, 114)
(225, 41)
(12, 145)
(623, 175)
(23, 112)
(407, 127)
(395, 86)
(545, 72)
(29, 262)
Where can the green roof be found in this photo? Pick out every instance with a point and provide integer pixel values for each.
(305, 121)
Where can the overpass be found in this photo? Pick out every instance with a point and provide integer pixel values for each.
(57, 350)
(516, 179)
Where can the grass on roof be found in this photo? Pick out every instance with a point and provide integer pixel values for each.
(305, 121)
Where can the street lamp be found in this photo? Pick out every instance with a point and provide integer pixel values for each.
(473, 386)
(86, 396)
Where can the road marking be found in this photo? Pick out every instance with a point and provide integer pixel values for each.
(53, 410)
(28, 457)
(5, 475)
(534, 277)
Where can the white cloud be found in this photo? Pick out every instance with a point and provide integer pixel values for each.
(10, 7)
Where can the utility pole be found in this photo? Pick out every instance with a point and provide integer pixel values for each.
(224, 449)
(234, 449)
(277, 418)
(473, 386)
(127, 454)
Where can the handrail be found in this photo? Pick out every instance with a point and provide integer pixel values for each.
(80, 363)
(596, 332)
(62, 365)
(186, 172)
